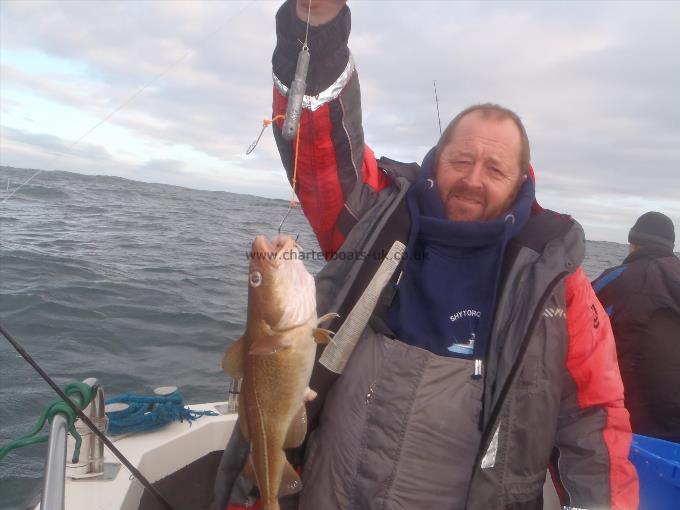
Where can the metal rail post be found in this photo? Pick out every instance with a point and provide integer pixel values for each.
(55, 462)
(55, 465)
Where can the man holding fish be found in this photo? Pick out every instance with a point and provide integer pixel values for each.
(466, 361)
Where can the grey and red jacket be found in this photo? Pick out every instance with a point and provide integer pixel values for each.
(387, 431)
(642, 299)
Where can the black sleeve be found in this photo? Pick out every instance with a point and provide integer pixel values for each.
(656, 411)
(327, 47)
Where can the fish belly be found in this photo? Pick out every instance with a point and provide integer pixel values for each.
(274, 387)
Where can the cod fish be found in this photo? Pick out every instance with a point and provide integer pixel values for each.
(275, 357)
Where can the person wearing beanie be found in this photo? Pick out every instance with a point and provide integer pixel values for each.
(642, 299)
(652, 229)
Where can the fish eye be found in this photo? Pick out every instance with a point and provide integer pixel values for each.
(255, 279)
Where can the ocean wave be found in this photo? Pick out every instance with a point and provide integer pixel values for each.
(41, 192)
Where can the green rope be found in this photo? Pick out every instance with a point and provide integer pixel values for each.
(81, 394)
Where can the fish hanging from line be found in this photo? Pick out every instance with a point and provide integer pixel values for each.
(275, 357)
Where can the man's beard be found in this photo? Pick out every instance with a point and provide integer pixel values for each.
(463, 190)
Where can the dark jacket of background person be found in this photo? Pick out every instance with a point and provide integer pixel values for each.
(642, 298)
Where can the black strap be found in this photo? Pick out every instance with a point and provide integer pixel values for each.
(396, 228)
(540, 229)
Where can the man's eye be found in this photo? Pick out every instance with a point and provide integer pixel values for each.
(462, 162)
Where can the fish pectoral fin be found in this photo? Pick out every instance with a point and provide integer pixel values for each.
(290, 481)
(232, 362)
(297, 430)
(322, 336)
(327, 317)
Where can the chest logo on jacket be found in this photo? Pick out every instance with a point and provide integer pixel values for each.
(464, 324)
(554, 312)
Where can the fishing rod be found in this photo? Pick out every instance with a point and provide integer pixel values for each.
(436, 100)
(133, 470)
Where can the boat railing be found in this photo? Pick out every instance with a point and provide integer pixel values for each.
(234, 391)
(59, 446)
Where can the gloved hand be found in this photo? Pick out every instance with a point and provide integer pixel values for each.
(322, 11)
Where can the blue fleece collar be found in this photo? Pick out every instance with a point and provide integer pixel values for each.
(446, 296)
(429, 216)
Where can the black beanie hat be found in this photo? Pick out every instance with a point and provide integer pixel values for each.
(653, 228)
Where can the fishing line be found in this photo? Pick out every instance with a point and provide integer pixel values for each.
(309, 11)
(135, 472)
(292, 203)
(136, 94)
(293, 120)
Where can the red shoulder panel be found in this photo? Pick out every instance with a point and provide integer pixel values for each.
(592, 362)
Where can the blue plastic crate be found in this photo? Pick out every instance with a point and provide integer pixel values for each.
(658, 466)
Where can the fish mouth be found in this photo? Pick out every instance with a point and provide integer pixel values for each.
(275, 252)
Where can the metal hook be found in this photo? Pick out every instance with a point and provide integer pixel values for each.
(290, 208)
(252, 146)
(284, 219)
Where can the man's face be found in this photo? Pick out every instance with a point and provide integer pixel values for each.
(478, 173)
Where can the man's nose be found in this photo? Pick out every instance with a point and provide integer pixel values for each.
(474, 175)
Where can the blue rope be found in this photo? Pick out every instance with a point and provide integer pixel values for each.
(149, 412)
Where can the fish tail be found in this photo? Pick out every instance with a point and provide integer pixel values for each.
(271, 505)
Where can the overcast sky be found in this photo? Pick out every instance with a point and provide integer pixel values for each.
(597, 85)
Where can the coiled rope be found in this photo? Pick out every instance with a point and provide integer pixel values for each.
(145, 413)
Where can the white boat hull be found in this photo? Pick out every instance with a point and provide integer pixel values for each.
(156, 455)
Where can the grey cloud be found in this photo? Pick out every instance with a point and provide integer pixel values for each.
(202, 101)
(54, 145)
